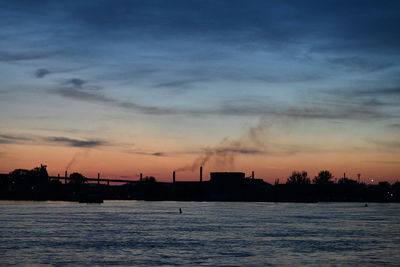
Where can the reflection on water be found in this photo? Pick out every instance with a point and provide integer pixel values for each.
(206, 233)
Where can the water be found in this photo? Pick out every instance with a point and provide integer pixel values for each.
(137, 233)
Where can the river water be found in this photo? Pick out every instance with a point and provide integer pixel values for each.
(139, 233)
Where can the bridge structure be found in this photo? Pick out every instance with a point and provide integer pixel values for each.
(98, 179)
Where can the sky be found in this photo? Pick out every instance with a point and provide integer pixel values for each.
(129, 87)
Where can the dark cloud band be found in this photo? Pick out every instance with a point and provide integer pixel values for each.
(75, 142)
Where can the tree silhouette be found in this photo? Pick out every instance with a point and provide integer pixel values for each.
(77, 178)
(385, 186)
(298, 178)
(18, 175)
(149, 179)
(36, 176)
(324, 177)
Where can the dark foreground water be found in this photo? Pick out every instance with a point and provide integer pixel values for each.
(135, 233)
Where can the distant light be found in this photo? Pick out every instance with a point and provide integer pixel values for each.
(372, 180)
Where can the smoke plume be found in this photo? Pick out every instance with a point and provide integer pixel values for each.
(77, 155)
(250, 143)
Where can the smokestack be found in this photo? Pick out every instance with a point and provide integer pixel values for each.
(201, 174)
(344, 175)
(141, 177)
(173, 177)
(252, 175)
(98, 178)
(66, 175)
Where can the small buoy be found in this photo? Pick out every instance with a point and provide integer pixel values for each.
(365, 205)
(180, 211)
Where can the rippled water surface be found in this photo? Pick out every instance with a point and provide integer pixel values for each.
(206, 233)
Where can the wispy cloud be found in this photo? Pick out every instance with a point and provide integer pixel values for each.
(75, 93)
(390, 92)
(13, 139)
(388, 145)
(78, 89)
(244, 150)
(21, 56)
(362, 64)
(40, 73)
(183, 84)
(43, 72)
(75, 142)
(52, 140)
(75, 82)
(368, 97)
(170, 153)
(333, 108)
(154, 154)
(394, 126)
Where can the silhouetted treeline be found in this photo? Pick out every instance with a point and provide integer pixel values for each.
(36, 184)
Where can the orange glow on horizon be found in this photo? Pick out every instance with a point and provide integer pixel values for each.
(119, 165)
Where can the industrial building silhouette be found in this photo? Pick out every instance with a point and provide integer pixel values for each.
(35, 184)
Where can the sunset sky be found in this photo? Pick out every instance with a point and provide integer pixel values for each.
(123, 87)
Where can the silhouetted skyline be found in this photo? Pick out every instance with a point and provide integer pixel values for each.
(130, 87)
(36, 184)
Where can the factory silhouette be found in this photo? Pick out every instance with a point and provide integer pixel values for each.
(36, 184)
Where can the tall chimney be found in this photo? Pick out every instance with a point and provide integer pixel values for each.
(252, 175)
(141, 177)
(98, 178)
(344, 175)
(66, 175)
(173, 177)
(201, 174)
